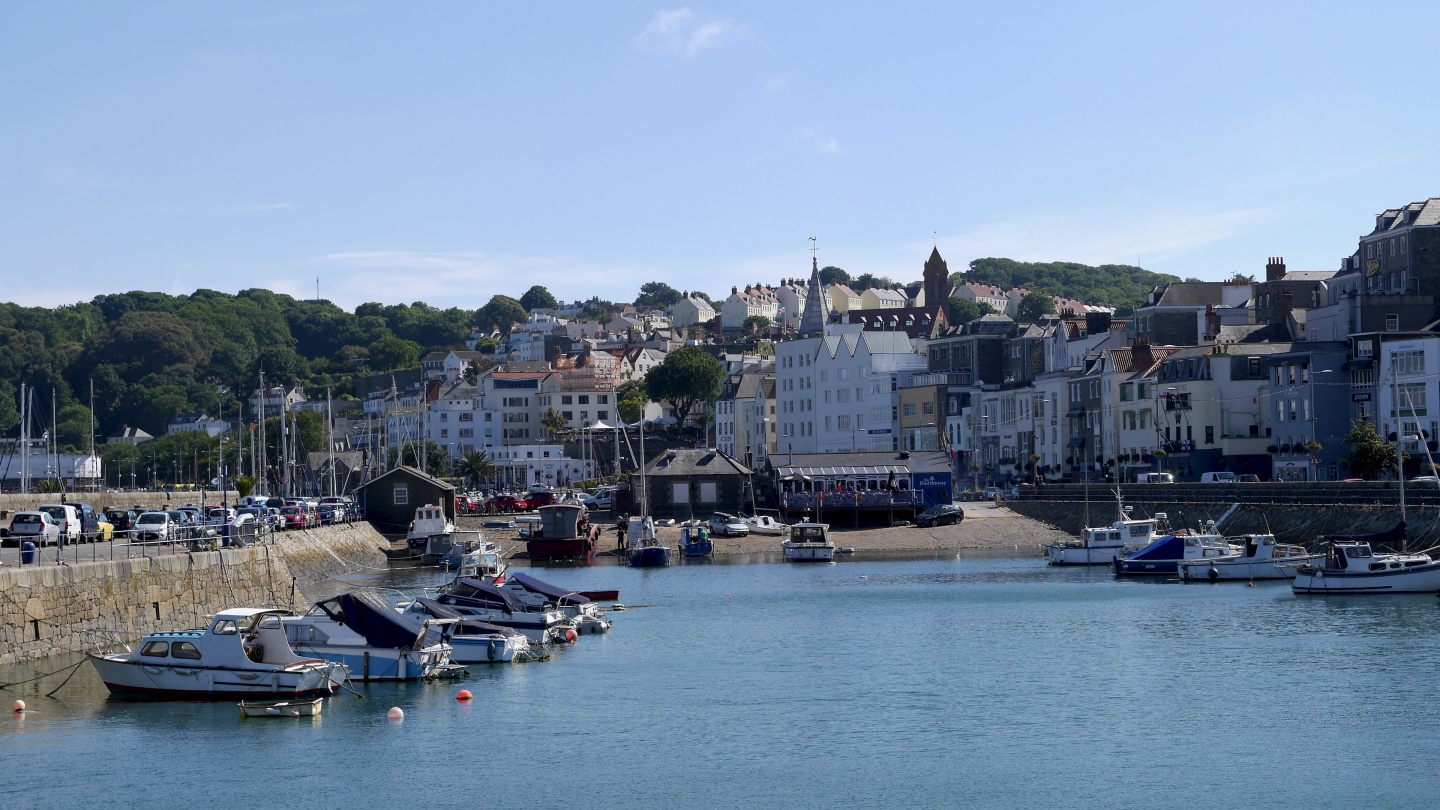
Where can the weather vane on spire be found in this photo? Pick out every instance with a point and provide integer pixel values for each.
(814, 249)
(935, 238)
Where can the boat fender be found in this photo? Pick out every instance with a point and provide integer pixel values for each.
(570, 636)
(1214, 574)
(490, 651)
(464, 696)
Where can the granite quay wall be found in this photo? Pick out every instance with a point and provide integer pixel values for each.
(1294, 513)
(48, 610)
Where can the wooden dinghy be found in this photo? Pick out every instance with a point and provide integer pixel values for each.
(280, 708)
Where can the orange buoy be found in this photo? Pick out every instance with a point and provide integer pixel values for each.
(19, 706)
(570, 636)
(464, 695)
(395, 713)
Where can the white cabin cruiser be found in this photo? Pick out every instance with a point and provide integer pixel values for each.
(543, 596)
(1261, 558)
(764, 524)
(363, 632)
(1352, 567)
(475, 599)
(808, 542)
(243, 654)
(1102, 545)
(471, 640)
(430, 522)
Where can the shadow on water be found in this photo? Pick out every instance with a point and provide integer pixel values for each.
(930, 681)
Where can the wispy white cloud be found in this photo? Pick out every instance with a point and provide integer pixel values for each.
(815, 137)
(682, 31)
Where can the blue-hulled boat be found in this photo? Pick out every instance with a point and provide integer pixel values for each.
(695, 541)
(1163, 556)
(643, 548)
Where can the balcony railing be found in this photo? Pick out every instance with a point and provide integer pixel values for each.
(851, 500)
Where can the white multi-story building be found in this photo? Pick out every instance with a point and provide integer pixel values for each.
(692, 310)
(745, 418)
(546, 464)
(791, 296)
(840, 392)
(452, 418)
(745, 303)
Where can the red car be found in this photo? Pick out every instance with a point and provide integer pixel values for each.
(295, 517)
(536, 499)
(508, 503)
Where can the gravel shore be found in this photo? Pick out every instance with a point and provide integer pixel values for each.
(985, 527)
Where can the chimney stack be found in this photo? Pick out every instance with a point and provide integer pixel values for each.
(1275, 269)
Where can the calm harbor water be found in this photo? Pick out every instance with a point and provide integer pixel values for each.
(976, 681)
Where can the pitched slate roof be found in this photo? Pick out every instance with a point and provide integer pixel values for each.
(688, 463)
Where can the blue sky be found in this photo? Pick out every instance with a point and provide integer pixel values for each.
(446, 152)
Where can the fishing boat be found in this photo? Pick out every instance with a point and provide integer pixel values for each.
(1102, 545)
(542, 596)
(1352, 566)
(363, 632)
(280, 708)
(478, 558)
(471, 640)
(564, 532)
(695, 540)
(764, 524)
(808, 542)
(474, 599)
(1164, 555)
(1261, 558)
(642, 548)
(242, 654)
(430, 522)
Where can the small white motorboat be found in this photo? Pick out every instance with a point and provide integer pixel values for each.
(1350, 566)
(1102, 545)
(242, 654)
(471, 641)
(764, 524)
(476, 599)
(542, 596)
(430, 522)
(808, 542)
(280, 708)
(1261, 558)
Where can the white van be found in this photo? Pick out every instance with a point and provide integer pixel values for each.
(1155, 478)
(1217, 478)
(66, 517)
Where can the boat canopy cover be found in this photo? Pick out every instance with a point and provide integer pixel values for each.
(560, 595)
(380, 624)
(472, 627)
(473, 590)
(1390, 537)
(1169, 547)
(437, 610)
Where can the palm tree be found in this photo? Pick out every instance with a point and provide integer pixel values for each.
(554, 421)
(475, 466)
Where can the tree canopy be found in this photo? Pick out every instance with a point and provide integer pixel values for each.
(538, 297)
(830, 274)
(687, 377)
(656, 294)
(1034, 305)
(501, 312)
(1105, 284)
(963, 310)
(1370, 454)
(868, 280)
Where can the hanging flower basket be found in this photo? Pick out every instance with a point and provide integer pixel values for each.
(1272, 449)
(1314, 447)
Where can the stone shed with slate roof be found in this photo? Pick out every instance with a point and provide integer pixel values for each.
(685, 483)
(390, 500)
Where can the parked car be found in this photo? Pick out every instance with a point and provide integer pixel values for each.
(67, 517)
(295, 517)
(123, 520)
(507, 503)
(331, 513)
(153, 526)
(940, 515)
(1248, 478)
(219, 516)
(726, 525)
(93, 525)
(37, 527)
(182, 524)
(1155, 478)
(538, 499)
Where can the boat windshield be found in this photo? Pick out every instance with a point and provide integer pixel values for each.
(1357, 551)
(808, 533)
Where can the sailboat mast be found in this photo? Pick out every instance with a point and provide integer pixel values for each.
(264, 452)
(644, 500)
(329, 421)
(24, 440)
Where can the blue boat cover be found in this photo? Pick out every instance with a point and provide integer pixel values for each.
(466, 627)
(473, 592)
(1169, 547)
(380, 624)
(560, 595)
(1392, 536)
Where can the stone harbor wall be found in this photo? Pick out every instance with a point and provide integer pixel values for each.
(48, 610)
